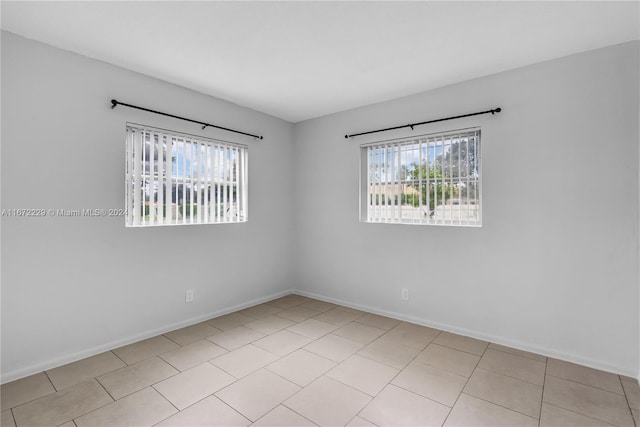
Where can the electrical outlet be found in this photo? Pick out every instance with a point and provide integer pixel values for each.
(405, 294)
(188, 296)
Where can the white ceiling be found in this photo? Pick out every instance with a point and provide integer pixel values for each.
(299, 60)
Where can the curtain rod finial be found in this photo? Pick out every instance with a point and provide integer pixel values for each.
(114, 103)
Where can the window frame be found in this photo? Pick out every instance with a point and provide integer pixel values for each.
(365, 196)
(209, 175)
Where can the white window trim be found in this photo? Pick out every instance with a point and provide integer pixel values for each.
(392, 188)
(210, 176)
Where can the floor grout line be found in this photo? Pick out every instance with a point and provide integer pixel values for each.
(502, 406)
(424, 397)
(175, 342)
(510, 376)
(51, 382)
(544, 382)
(635, 422)
(170, 402)
(292, 410)
(465, 384)
(95, 409)
(336, 327)
(592, 386)
(120, 359)
(105, 389)
(579, 413)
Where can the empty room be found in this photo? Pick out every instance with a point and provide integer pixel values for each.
(320, 213)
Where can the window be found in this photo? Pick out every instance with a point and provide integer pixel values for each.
(175, 178)
(428, 179)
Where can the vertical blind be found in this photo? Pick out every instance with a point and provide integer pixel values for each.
(428, 179)
(174, 178)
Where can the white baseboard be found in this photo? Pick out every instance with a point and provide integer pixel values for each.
(63, 360)
(73, 357)
(548, 352)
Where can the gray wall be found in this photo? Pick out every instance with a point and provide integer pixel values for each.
(73, 286)
(554, 269)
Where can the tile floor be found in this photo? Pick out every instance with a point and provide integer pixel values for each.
(296, 361)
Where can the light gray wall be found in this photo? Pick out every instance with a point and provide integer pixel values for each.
(75, 286)
(554, 269)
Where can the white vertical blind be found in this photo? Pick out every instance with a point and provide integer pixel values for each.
(427, 179)
(174, 178)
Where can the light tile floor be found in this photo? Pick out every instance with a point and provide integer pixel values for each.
(296, 361)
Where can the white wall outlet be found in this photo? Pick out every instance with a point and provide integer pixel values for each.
(405, 294)
(188, 296)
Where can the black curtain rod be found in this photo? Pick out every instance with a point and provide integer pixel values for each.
(495, 110)
(115, 103)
